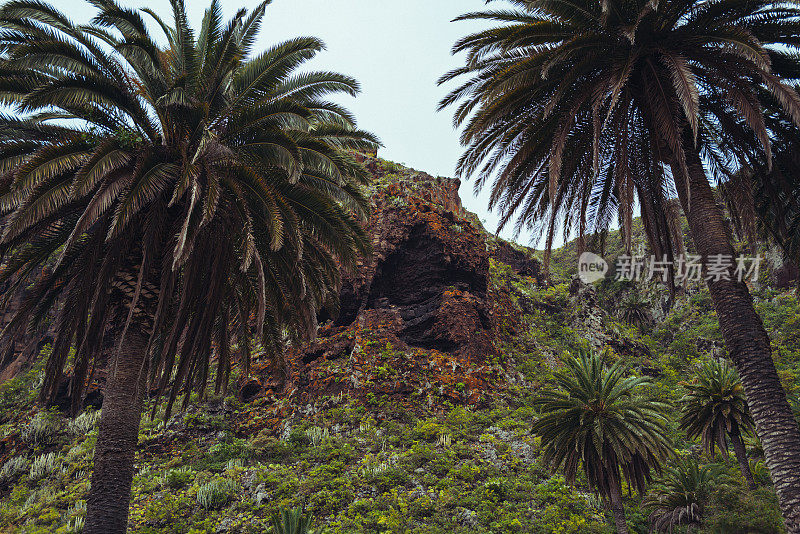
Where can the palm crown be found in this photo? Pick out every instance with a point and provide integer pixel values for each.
(211, 187)
(597, 419)
(715, 406)
(680, 496)
(573, 107)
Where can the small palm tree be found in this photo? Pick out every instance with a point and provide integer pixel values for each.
(293, 521)
(679, 498)
(715, 409)
(634, 310)
(173, 194)
(598, 420)
(582, 112)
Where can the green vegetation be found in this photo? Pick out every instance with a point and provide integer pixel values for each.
(447, 469)
(640, 104)
(599, 421)
(191, 189)
(599, 409)
(715, 410)
(291, 522)
(681, 496)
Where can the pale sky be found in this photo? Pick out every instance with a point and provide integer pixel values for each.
(396, 50)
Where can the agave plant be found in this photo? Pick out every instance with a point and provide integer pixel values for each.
(174, 191)
(679, 498)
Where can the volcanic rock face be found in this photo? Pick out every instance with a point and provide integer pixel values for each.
(427, 269)
(424, 294)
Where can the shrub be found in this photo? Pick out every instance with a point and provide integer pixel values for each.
(299, 438)
(216, 493)
(43, 466)
(76, 516)
(75, 525)
(177, 478)
(13, 468)
(317, 435)
(445, 440)
(220, 453)
(205, 422)
(273, 449)
(42, 430)
(235, 463)
(84, 423)
(428, 430)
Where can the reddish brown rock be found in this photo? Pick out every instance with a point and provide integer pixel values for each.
(418, 318)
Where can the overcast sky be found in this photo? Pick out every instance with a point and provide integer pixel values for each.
(397, 50)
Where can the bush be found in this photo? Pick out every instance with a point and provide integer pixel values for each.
(75, 525)
(216, 493)
(291, 522)
(84, 423)
(735, 509)
(317, 435)
(43, 466)
(204, 422)
(13, 468)
(177, 478)
(428, 430)
(299, 438)
(220, 453)
(42, 430)
(76, 516)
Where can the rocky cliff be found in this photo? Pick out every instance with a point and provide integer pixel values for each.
(420, 316)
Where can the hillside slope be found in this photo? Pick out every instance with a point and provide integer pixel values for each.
(410, 412)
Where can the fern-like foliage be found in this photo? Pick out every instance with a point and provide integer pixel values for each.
(679, 498)
(715, 406)
(292, 521)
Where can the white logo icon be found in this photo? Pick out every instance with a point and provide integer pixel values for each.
(591, 268)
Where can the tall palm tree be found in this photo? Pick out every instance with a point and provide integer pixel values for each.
(680, 496)
(715, 409)
(596, 419)
(764, 200)
(181, 198)
(580, 110)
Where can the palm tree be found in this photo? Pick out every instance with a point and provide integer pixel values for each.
(596, 419)
(764, 200)
(635, 310)
(680, 496)
(715, 409)
(580, 110)
(294, 521)
(178, 199)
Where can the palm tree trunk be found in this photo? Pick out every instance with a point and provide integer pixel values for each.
(741, 456)
(618, 510)
(109, 497)
(747, 342)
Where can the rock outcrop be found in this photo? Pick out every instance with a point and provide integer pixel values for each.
(419, 316)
